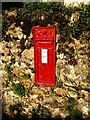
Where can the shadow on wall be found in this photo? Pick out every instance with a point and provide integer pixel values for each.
(42, 113)
(20, 117)
(6, 6)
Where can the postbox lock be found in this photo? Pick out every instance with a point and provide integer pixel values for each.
(40, 66)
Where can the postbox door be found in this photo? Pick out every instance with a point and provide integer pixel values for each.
(45, 65)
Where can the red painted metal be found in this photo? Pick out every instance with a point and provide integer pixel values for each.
(44, 55)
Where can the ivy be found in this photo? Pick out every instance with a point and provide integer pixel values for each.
(53, 12)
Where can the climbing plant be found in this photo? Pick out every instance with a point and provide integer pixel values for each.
(71, 20)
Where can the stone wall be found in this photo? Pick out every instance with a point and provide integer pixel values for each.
(72, 79)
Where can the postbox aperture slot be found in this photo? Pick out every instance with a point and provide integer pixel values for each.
(44, 41)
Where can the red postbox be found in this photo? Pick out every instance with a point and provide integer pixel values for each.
(44, 55)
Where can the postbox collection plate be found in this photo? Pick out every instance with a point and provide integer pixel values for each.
(44, 55)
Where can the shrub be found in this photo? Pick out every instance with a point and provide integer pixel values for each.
(14, 106)
(31, 14)
(74, 113)
(8, 68)
(5, 22)
(60, 13)
(19, 89)
(41, 112)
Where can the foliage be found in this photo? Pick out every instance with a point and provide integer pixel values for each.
(74, 113)
(32, 12)
(19, 89)
(5, 21)
(12, 60)
(72, 103)
(10, 76)
(83, 23)
(61, 14)
(14, 106)
(59, 83)
(41, 112)
(51, 89)
(26, 76)
(32, 70)
(8, 68)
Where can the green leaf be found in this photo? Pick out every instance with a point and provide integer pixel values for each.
(18, 89)
(32, 70)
